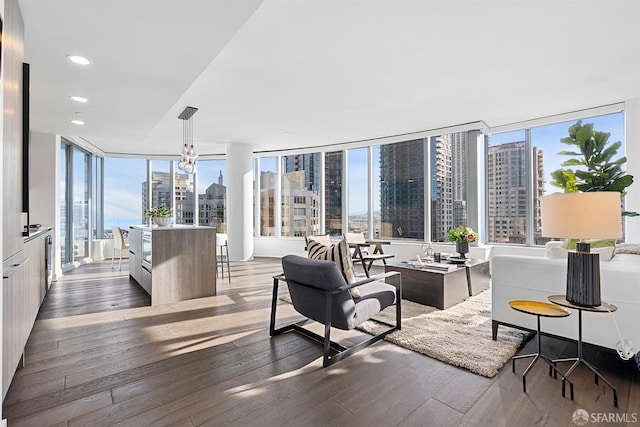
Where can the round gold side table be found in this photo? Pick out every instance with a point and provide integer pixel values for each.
(539, 309)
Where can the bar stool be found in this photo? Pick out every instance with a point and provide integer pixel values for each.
(222, 256)
(539, 309)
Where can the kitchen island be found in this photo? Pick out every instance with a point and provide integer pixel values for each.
(173, 263)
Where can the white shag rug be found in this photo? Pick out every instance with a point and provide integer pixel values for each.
(459, 335)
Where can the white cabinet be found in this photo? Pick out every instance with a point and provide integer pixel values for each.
(15, 330)
(135, 254)
(24, 287)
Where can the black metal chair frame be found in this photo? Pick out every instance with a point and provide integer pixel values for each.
(340, 351)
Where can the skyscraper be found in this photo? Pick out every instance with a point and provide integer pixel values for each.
(402, 189)
(212, 205)
(507, 179)
(333, 192)
(310, 165)
(448, 183)
(441, 187)
(161, 195)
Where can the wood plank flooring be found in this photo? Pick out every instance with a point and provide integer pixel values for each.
(100, 355)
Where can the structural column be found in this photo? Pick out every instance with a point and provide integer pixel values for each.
(44, 193)
(240, 201)
(632, 148)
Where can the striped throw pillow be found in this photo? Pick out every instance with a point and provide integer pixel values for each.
(338, 253)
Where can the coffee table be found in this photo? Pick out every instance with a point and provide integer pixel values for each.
(442, 289)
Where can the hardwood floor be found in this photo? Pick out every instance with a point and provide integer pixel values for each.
(100, 355)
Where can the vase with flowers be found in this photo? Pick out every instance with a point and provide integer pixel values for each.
(462, 236)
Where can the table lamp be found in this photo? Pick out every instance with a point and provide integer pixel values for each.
(591, 215)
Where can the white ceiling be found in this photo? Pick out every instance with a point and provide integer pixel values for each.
(276, 74)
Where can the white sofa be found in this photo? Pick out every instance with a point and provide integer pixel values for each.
(536, 277)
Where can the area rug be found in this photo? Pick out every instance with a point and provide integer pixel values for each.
(459, 336)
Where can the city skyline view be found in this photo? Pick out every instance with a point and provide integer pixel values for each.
(124, 177)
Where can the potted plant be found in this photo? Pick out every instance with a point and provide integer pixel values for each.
(160, 215)
(596, 169)
(462, 236)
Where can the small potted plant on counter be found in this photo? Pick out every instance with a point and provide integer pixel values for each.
(160, 215)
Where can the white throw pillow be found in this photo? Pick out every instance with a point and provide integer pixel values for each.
(338, 253)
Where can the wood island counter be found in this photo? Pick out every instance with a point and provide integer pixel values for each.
(173, 263)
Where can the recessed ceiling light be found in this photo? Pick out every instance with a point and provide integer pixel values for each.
(78, 113)
(77, 122)
(79, 98)
(80, 60)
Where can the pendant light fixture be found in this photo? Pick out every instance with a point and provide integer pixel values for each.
(188, 156)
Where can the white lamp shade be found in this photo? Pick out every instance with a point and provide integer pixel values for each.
(591, 215)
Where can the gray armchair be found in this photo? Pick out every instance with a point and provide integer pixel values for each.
(320, 293)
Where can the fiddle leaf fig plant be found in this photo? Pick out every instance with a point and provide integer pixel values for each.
(595, 166)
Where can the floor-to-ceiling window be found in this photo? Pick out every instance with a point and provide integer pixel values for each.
(81, 202)
(546, 144)
(161, 186)
(124, 187)
(300, 193)
(424, 187)
(80, 184)
(448, 168)
(402, 190)
(519, 167)
(212, 193)
(333, 192)
(507, 183)
(357, 181)
(63, 183)
(97, 199)
(185, 197)
(267, 195)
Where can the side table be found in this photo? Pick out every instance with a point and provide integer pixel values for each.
(539, 309)
(602, 308)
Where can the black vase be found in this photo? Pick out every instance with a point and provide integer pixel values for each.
(462, 248)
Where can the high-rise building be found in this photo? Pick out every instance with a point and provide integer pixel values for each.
(448, 183)
(402, 189)
(507, 179)
(268, 184)
(299, 209)
(310, 165)
(161, 195)
(333, 192)
(212, 205)
(441, 187)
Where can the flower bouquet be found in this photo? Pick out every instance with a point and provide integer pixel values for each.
(462, 236)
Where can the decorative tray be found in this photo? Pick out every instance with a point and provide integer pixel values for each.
(458, 260)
